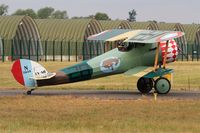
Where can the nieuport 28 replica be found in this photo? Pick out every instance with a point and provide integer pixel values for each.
(141, 53)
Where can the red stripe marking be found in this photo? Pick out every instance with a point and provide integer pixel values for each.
(17, 72)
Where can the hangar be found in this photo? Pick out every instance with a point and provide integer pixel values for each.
(1, 48)
(150, 25)
(192, 32)
(23, 37)
(19, 34)
(68, 37)
(117, 24)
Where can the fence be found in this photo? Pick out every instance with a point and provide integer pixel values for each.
(192, 53)
(68, 50)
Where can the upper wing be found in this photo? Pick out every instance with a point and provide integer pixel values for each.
(107, 35)
(153, 36)
(137, 36)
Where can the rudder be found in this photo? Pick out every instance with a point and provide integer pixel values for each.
(24, 72)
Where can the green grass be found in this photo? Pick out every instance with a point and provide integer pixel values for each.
(49, 114)
(68, 114)
(186, 76)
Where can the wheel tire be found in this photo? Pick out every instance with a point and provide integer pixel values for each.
(28, 92)
(145, 85)
(162, 85)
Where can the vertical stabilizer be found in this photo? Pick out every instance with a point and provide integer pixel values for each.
(26, 71)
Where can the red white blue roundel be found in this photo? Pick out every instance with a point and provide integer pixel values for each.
(109, 64)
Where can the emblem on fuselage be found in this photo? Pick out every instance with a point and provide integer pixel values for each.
(109, 64)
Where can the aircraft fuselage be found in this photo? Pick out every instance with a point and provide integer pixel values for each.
(109, 63)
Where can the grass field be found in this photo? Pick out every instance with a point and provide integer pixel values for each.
(67, 114)
(186, 76)
(80, 115)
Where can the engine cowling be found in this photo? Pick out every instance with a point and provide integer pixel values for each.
(172, 51)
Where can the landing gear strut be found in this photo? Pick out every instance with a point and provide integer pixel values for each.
(145, 85)
(29, 91)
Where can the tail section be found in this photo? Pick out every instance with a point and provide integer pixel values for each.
(26, 72)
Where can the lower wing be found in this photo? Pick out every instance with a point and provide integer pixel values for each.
(147, 72)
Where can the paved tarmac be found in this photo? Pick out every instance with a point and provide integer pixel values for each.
(105, 94)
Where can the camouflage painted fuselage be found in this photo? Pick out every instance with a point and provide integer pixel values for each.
(109, 63)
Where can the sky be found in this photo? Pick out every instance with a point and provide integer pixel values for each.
(170, 11)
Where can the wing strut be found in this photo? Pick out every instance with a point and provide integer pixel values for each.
(156, 57)
(165, 56)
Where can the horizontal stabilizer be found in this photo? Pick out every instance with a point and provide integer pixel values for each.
(47, 76)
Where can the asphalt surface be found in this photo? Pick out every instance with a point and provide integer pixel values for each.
(105, 94)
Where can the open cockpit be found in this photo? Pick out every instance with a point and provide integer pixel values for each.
(127, 46)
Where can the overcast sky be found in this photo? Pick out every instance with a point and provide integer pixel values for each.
(184, 11)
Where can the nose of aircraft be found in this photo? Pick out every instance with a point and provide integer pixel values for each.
(172, 51)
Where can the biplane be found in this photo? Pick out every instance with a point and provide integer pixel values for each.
(141, 53)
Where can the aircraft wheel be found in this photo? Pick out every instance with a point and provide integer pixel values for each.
(162, 85)
(29, 91)
(145, 85)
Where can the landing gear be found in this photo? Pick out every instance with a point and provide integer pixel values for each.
(29, 91)
(145, 85)
(162, 85)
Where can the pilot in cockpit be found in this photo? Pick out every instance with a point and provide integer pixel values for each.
(123, 46)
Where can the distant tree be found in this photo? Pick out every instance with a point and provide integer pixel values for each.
(154, 21)
(45, 12)
(132, 15)
(90, 16)
(59, 14)
(29, 12)
(81, 17)
(3, 9)
(101, 16)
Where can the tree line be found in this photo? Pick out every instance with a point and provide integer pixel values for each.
(50, 12)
